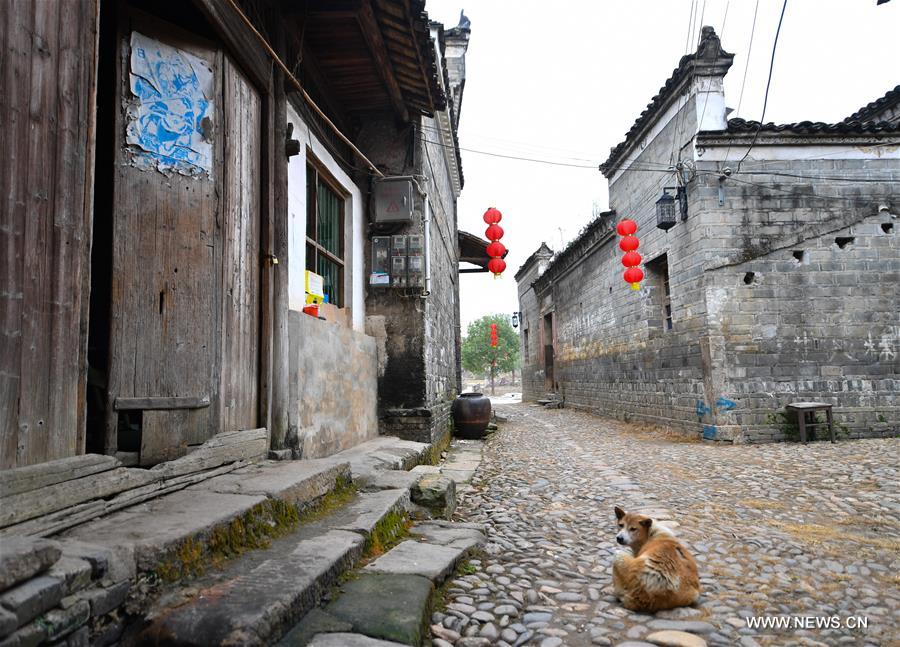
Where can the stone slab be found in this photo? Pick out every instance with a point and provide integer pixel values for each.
(379, 454)
(258, 606)
(315, 622)
(426, 469)
(437, 493)
(458, 476)
(8, 622)
(393, 480)
(418, 558)
(367, 510)
(113, 563)
(24, 557)
(27, 636)
(157, 526)
(104, 600)
(350, 640)
(30, 599)
(387, 607)
(74, 572)
(463, 536)
(297, 482)
(669, 638)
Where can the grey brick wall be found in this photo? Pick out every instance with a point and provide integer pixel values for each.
(824, 328)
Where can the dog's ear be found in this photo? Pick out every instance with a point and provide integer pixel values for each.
(646, 523)
(619, 512)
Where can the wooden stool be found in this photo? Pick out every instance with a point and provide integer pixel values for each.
(804, 408)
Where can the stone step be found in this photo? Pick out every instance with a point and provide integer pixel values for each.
(156, 529)
(254, 600)
(390, 599)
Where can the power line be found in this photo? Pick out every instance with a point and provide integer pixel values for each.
(768, 85)
(820, 177)
(803, 194)
(749, 53)
(746, 67)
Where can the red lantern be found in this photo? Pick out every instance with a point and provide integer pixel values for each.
(493, 334)
(629, 243)
(492, 216)
(497, 266)
(634, 275)
(494, 232)
(631, 259)
(496, 249)
(626, 227)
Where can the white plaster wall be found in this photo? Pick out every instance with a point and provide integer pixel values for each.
(353, 211)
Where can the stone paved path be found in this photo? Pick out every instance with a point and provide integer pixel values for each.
(778, 530)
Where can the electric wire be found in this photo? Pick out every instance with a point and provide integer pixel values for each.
(768, 85)
(746, 67)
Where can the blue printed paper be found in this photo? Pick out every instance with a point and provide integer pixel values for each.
(170, 119)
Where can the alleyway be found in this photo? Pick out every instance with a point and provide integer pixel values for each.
(779, 529)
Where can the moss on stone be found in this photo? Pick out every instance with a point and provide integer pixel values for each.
(254, 529)
(433, 454)
(343, 492)
(387, 533)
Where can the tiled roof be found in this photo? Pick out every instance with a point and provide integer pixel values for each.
(867, 112)
(815, 127)
(709, 53)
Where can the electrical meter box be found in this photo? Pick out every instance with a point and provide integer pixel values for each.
(416, 244)
(393, 200)
(398, 271)
(381, 261)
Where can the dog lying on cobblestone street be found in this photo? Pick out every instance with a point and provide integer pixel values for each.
(659, 574)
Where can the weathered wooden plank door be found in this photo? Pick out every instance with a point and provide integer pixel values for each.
(166, 256)
(241, 258)
(184, 334)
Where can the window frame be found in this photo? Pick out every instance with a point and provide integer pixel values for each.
(316, 173)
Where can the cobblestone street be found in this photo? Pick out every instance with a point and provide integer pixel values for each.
(777, 530)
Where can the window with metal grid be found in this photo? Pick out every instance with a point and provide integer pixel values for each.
(325, 234)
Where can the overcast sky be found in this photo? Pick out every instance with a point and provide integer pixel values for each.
(565, 80)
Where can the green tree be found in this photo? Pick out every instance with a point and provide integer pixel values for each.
(480, 357)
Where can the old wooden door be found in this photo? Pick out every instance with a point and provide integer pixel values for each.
(185, 259)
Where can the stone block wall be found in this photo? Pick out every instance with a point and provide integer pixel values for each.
(805, 294)
(787, 291)
(533, 383)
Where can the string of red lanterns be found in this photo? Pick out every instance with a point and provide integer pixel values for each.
(631, 260)
(494, 335)
(496, 249)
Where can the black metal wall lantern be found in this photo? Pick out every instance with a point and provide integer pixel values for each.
(515, 319)
(665, 207)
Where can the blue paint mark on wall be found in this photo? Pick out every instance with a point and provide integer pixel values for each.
(702, 409)
(170, 119)
(725, 404)
(709, 432)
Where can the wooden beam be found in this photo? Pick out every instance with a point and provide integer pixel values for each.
(372, 34)
(412, 31)
(160, 404)
(32, 477)
(239, 39)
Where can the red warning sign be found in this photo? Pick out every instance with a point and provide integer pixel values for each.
(393, 208)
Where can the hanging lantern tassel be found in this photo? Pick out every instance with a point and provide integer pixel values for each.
(497, 266)
(634, 275)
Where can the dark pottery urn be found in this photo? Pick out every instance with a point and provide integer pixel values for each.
(471, 415)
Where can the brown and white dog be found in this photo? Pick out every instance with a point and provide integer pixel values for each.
(659, 574)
